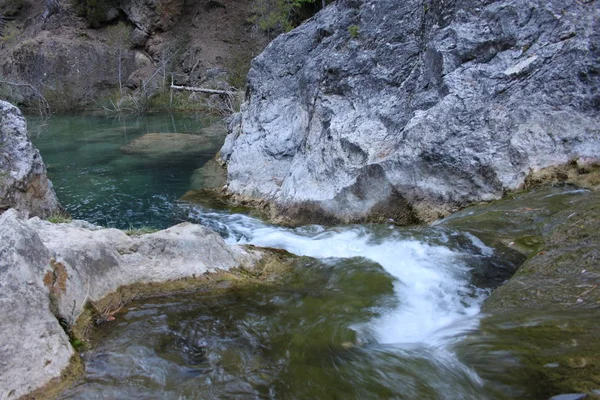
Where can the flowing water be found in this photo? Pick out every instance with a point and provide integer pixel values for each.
(376, 311)
(376, 315)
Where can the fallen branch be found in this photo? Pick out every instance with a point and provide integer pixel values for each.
(202, 90)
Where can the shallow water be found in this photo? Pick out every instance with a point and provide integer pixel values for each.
(375, 315)
(96, 181)
(377, 312)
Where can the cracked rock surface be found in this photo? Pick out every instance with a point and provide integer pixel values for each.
(410, 109)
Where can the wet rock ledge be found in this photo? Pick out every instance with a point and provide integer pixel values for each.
(56, 280)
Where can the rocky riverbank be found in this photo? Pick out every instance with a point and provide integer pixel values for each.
(391, 111)
(77, 55)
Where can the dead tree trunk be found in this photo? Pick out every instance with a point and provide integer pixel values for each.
(201, 90)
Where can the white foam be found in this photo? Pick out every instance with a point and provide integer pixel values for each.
(436, 303)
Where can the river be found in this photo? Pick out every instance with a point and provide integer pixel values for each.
(372, 311)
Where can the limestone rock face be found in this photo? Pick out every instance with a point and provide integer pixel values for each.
(96, 261)
(23, 181)
(374, 107)
(49, 271)
(33, 346)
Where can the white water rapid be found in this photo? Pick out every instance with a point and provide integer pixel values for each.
(436, 302)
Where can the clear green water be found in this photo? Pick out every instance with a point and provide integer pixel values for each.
(96, 181)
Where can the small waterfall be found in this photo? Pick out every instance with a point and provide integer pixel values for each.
(436, 301)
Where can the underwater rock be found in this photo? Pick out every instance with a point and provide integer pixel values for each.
(211, 175)
(170, 145)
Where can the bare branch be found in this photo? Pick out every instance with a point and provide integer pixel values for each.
(202, 90)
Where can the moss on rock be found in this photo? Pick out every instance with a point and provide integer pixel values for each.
(556, 352)
(56, 386)
(564, 271)
(582, 172)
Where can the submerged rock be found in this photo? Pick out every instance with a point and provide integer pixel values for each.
(23, 181)
(409, 110)
(211, 175)
(170, 144)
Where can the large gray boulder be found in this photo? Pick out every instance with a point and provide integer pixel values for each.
(23, 181)
(33, 346)
(93, 262)
(49, 272)
(410, 109)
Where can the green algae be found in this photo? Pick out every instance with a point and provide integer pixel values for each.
(56, 386)
(545, 352)
(541, 330)
(564, 270)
